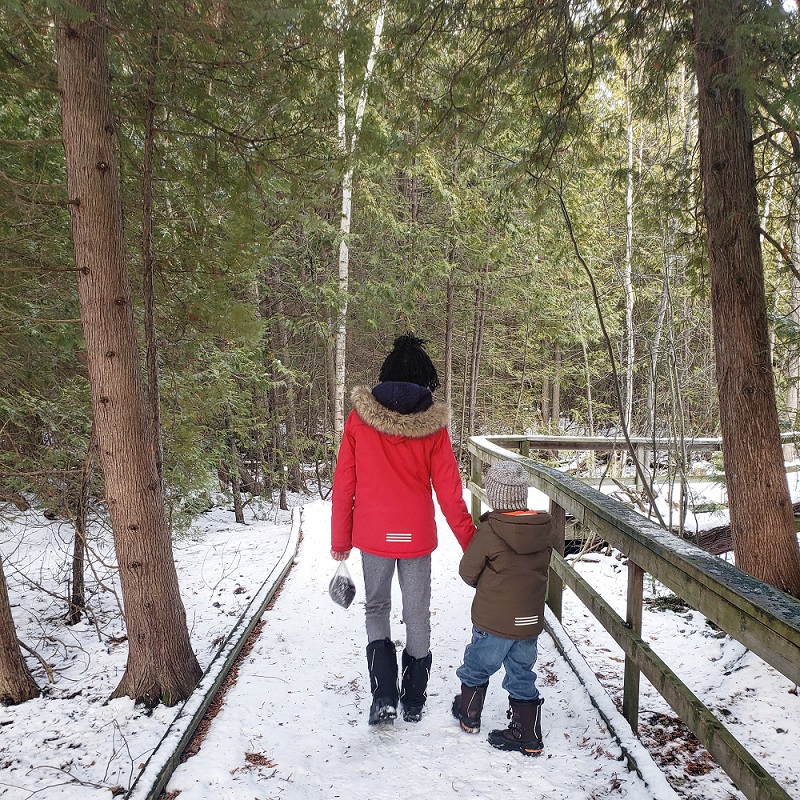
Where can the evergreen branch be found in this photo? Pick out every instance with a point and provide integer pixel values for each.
(786, 124)
(31, 142)
(10, 179)
(39, 269)
(783, 252)
(41, 320)
(51, 203)
(39, 473)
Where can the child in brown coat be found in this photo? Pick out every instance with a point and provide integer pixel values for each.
(507, 562)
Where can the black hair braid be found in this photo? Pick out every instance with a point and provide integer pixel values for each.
(409, 362)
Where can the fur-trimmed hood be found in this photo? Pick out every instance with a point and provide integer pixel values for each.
(393, 423)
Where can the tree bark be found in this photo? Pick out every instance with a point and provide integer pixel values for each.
(161, 665)
(236, 482)
(16, 682)
(148, 261)
(77, 601)
(762, 524)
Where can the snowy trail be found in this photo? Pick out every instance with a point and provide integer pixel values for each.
(295, 723)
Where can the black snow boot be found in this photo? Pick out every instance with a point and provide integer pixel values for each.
(468, 705)
(524, 732)
(415, 682)
(382, 663)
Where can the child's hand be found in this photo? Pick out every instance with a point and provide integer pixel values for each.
(337, 556)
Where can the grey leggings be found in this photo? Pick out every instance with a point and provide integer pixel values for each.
(414, 575)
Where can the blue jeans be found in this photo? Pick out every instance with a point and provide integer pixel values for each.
(486, 653)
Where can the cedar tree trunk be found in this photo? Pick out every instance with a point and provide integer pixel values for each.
(149, 260)
(16, 682)
(161, 664)
(762, 524)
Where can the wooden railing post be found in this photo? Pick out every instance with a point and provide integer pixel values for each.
(641, 455)
(633, 620)
(475, 477)
(555, 588)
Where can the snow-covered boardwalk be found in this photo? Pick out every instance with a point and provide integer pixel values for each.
(295, 723)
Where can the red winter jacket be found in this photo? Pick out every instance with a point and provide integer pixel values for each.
(388, 461)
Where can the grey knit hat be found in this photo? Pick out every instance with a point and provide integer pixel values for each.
(507, 486)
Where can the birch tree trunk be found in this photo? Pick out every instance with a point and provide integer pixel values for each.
(628, 280)
(762, 523)
(161, 665)
(670, 264)
(347, 148)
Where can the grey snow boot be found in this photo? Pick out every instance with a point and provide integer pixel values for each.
(524, 732)
(382, 663)
(468, 705)
(413, 692)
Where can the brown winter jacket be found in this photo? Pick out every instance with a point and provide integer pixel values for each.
(507, 562)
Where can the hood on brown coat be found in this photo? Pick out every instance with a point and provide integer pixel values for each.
(524, 533)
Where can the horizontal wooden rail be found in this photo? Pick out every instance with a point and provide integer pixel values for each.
(759, 616)
(607, 443)
(745, 771)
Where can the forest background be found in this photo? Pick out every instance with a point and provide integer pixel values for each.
(526, 194)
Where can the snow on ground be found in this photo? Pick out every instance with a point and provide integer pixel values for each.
(294, 725)
(755, 702)
(70, 742)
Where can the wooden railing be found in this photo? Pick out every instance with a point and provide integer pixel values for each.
(759, 616)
